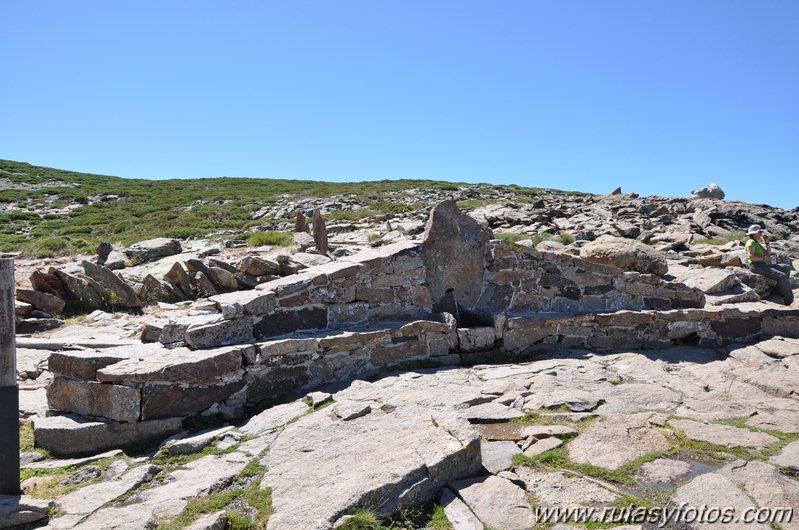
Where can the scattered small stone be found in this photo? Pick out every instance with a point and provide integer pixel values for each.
(498, 456)
(318, 398)
(538, 447)
(86, 474)
(351, 410)
(662, 470)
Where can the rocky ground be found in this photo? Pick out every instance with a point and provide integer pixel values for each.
(496, 443)
(491, 444)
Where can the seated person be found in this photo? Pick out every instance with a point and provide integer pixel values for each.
(758, 256)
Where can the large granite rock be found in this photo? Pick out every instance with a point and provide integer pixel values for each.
(81, 291)
(49, 303)
(625, 254)
(453, 252)
(120, 293)
(151, 249)
(713, 191)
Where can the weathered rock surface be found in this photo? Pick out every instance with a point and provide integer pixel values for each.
(119, 292)
(561, 490)
(152, 249)
(622, 439)
(64, 435)
(662, 470)
(42, 301)
(497, 502)
(498, 456)
(712, 191)
(624, 254)
(453, 252)
(344, 464)
(20, 510)
(458, 514)
(725, 435)
(788, 457)
(716, 491)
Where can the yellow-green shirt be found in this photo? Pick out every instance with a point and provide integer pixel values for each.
(759, 250)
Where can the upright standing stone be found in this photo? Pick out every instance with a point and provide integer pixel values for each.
(301, 225)
(453, 252)
(319, 232)
(9, 392)
(103, 250)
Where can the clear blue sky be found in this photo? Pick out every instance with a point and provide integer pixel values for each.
(659, 97)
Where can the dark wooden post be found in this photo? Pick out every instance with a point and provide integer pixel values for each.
(9, 391)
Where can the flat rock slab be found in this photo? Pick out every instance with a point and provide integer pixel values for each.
(498, 456)
(707, 279)
(57, 464)
(766, 486)
(492, 412)
(562, 490)
(542, 446)
(788, 457)
(497, 502)
(195, 443)
(346, 464)
(71, 436)
(274, 418)
(617, 441)
(638, 397)
(22, 509)
(91, 498)
(166, 501)
(724, 435)
(458, 514)
(180, 365)
(662, 471)
(714, 490)
(786, 421)
(779, 348)
(547, 431)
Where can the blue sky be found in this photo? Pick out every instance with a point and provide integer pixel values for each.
(659, 97)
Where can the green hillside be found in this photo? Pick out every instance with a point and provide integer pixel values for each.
(123, 211)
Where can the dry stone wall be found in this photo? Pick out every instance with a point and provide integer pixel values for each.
(521, 280)
(286, 335)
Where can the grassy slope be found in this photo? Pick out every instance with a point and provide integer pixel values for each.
(148, 209)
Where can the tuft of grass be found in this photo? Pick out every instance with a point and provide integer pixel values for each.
(53, 489)
(26, 438)
(736, 235)
(510, 237)
(261, 501)
(558, 458)
(166, 460)
(438, 520)
(277, 239)
(544, 236)
(566, 238)
(201, 506)
(363, 519)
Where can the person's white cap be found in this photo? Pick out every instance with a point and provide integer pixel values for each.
(754, 229)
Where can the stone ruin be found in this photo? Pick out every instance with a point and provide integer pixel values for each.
(458, 297)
